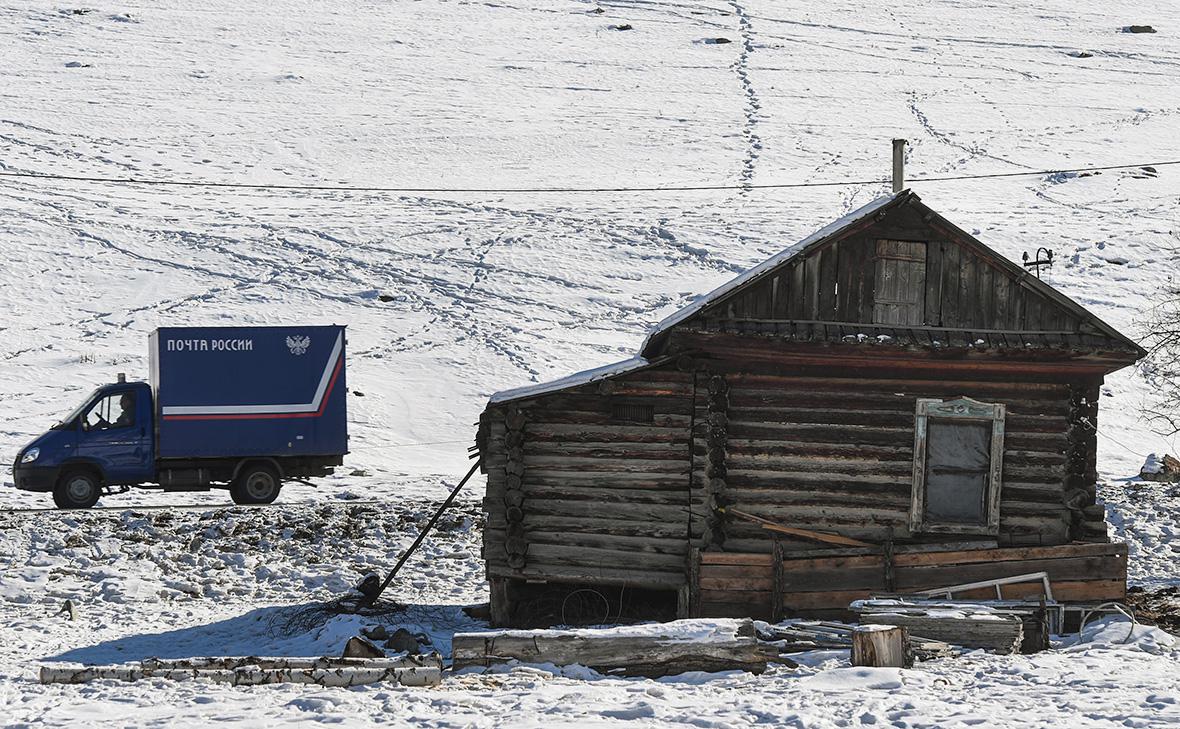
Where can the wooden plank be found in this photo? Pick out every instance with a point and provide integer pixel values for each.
(933, 304)
(968, 306)
(1010, 554)
(797, 289)
(951, 260)
(812, 283)
(1003, 307)
(807, 534)
(826, 306)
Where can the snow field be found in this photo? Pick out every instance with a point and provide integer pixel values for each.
(450, 297)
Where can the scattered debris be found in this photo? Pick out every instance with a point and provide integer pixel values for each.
(653, 650)
(971, 625)
(252, 671)
(482, 611)
(623, 26)
(881, 646)
(807, 635)
(69, 610)
(1138, 29)
(376, 633)
(1160, 607)
(358, 647)
(1166, 469)
(369, 585)
(403, 641)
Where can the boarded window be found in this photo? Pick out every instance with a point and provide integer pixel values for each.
(899, 290)
(958, 449)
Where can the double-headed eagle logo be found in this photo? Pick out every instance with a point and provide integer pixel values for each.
(298, 345)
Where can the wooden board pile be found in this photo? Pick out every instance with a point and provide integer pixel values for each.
(806, 635)
(997, 628)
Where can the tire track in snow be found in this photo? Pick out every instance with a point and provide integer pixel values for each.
(741, 67)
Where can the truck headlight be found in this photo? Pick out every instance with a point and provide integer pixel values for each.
(30, 455)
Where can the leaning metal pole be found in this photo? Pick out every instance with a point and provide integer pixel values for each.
(369, 600)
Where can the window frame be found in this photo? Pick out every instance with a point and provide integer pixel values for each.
(110, 425)
(960, 409)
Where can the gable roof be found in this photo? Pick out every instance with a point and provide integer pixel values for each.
(751, 275)
(650, 354)
(845, 226)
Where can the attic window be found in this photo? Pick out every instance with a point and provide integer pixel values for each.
(958, 459)
(899, 291)
(632, 412)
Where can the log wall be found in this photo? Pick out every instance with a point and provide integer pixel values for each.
(836, 454)
(593, 486)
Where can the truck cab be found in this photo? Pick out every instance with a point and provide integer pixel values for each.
(107, 441)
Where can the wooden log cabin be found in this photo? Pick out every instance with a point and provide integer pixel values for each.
(889, 379)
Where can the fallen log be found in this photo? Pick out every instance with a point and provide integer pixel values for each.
(970, 626)
(639, 650)
(251, 671)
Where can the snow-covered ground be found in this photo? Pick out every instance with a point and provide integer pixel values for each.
(232, 581)
(449, 297)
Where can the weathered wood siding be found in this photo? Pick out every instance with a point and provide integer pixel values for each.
(746, 585)
(583, 491)
(836, 454)
(959, 286)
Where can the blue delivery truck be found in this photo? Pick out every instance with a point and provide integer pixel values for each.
(241, 408)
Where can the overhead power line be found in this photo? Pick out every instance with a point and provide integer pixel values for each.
(543, 190)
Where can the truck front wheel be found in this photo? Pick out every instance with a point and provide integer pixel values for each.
(77, 490)
(257, 483)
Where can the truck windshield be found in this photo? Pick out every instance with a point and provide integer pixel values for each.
(76, 411)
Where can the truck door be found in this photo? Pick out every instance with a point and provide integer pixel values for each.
(115, 432)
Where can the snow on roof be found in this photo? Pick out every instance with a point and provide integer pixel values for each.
(578, 378)
(753, 273)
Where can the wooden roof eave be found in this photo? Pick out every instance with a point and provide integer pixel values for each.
(656, 339)
(1025, 278)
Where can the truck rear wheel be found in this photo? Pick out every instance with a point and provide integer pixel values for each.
(77, 490)
(257, 483)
